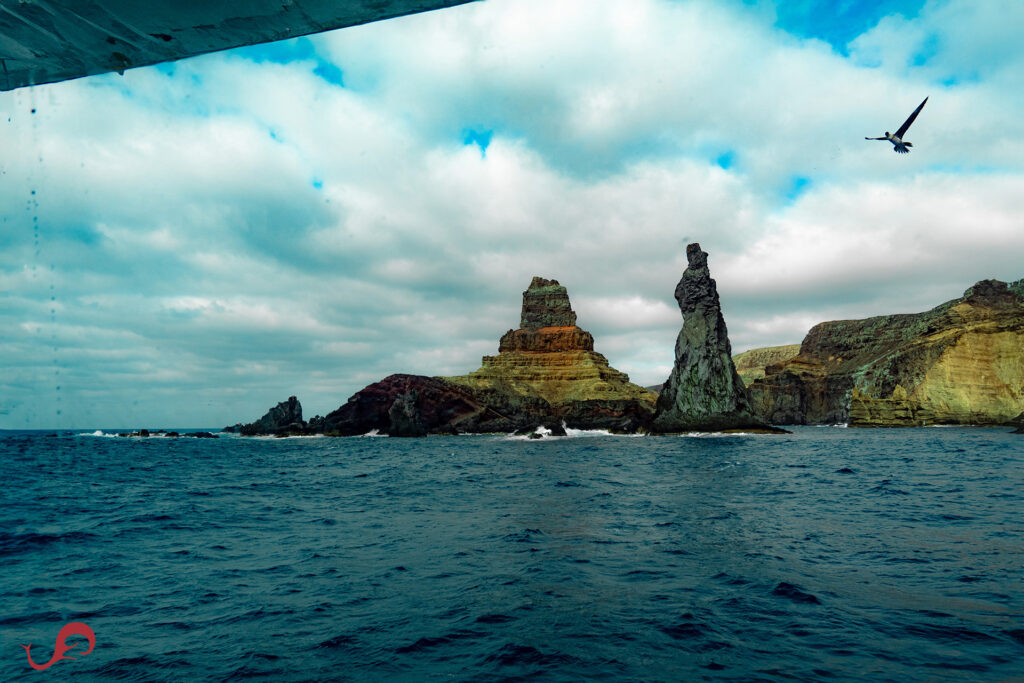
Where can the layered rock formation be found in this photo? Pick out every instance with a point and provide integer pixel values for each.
(898, 410)
(750, 364)
(962, 362)
(546, 373)
(549, 364)
(704, 392)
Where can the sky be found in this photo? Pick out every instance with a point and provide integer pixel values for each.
(190, 243)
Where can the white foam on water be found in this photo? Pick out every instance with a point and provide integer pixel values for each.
(570, 433)
(540, 432)
(583, 433)
(715, 435)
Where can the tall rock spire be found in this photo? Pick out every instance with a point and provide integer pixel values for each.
(704, 392)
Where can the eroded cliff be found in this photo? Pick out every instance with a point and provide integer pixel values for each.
(962, 362)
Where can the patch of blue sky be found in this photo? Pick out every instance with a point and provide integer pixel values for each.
(330, 73)
(293, 50)
(726, 159)
(480, 138)
(317, 183)
(837, 22)
(797, 186)
(960, 79)
(278, 52)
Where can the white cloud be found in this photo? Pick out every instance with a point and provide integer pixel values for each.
(888, 235)
(626, 313)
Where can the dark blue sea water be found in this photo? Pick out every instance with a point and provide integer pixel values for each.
(828, 554)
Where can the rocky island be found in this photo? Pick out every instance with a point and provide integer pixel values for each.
(546, 374)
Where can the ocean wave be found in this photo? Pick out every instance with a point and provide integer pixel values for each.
(482, 559)
(12, 543)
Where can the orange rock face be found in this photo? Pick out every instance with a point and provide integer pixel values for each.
(545, 340)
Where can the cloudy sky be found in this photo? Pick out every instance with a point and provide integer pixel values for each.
(188, 244)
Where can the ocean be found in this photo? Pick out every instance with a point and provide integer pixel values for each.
(826, 554)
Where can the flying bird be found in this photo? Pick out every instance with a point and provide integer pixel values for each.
(899, 144)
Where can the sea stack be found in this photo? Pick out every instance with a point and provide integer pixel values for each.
(548, 369)
(704, 391)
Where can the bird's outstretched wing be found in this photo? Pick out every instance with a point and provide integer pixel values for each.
(910, 120)
(876, 138)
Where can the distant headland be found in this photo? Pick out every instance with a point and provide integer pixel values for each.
(959, 363)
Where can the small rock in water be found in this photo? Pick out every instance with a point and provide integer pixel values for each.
(794, 593)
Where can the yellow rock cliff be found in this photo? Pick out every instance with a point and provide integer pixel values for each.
(960, 363)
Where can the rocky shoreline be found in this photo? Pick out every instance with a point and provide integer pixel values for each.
(161, 433)
(547, 377)
(959, 363)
